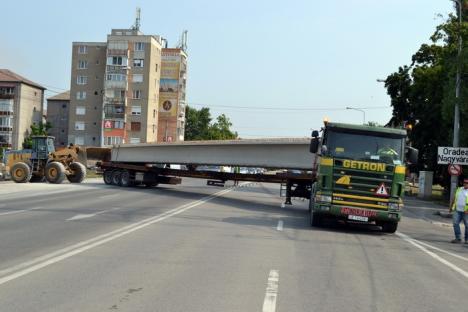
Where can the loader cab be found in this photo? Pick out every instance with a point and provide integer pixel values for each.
(42, 146)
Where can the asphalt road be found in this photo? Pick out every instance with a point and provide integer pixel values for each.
(191, 247)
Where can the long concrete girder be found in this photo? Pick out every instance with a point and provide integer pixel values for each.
(290, 153)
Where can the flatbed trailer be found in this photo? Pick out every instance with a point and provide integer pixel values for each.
(288, 160)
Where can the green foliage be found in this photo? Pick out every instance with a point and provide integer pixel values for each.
(423, 93)
(39, 129)
(199, 126)
(373, 124)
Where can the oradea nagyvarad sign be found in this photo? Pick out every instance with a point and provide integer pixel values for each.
(452, 155)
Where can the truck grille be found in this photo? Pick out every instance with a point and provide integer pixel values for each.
(355, 187)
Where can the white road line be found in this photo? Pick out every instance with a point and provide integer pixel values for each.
(18, 211)
(85, 216)
(109, 196)
(433, 255)
(279, 227)
(269, 303)
(438, 249)
(67, 252)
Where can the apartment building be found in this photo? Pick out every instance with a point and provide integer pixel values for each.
(20, 107)
(172, 95)
(57, 114)
(115, 89)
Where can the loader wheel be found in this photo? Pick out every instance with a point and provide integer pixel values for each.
(37, 178)
(389, 227)
(107, 176)
(55, 172)
(116, 177)
(78, 172)
(125, 178)
(20, 172)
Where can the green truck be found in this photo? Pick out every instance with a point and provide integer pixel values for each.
(360, 174)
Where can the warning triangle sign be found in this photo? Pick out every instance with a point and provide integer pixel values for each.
(381, 191)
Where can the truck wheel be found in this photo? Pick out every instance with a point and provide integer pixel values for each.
(37, 178)
(20, 172)
(107, 176)
(389, 227)
(116, 177)
(78, 172)
(55, 172)
(125, 178)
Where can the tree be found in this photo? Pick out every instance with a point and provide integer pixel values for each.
(199, 126)
(39, 129)
(423, 94)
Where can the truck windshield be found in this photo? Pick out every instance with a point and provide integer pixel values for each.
(365, 146)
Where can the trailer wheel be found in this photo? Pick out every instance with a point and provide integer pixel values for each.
(55, 172)
(20, 172)
(107, 177)
(389, 227)
(116, 177)
(79, 172)
(125, 178)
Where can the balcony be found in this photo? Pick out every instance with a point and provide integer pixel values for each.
(114, 111)
(117, 52)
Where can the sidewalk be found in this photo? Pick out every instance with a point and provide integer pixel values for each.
(428, 210)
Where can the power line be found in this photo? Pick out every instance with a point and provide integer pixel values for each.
(286, 108)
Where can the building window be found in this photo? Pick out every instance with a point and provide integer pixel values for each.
(135, 126)
(81, 95)
(134, 140)
(136, 110)
(6, 122)
(79, 125)
(80, 110)
(119, 124)
(111, 140)
(154, 128)
(82, 64)
(139, 46)
(82, 80)
(138, 62)
(79, 140)
(82, 49)
(154, 113)
(137, 78)
(156, 67)
(117, 60)
(116, 77)
(137, 94)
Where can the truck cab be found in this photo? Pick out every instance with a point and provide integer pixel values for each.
(360, 176)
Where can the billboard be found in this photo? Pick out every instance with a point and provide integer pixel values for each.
(168, 85)
(168, 105)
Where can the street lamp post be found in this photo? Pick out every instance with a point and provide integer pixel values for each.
(456, 118)
(360, 110)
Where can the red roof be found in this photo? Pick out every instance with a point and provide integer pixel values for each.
(9, 76)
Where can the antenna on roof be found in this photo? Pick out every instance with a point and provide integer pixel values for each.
(137, 20)
(183, 41)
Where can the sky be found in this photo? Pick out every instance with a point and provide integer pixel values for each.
(275, 68)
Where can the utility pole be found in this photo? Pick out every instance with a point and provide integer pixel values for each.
(456, 119)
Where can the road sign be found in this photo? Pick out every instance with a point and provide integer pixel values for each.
(452, 155)
(381, 191)
(455, 170)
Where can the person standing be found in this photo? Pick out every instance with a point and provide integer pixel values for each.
(459, 206)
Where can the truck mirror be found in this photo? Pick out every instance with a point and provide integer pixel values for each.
(315, 134)
(412, 155)
(314, 144)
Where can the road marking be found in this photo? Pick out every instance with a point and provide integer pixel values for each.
(90, 215)
(108, 196)
(38, 263)
(279, 227)
(438, 249)
(269, 303)
(18, 211)
(433, 255)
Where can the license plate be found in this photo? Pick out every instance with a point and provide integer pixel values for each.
(358, 218)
